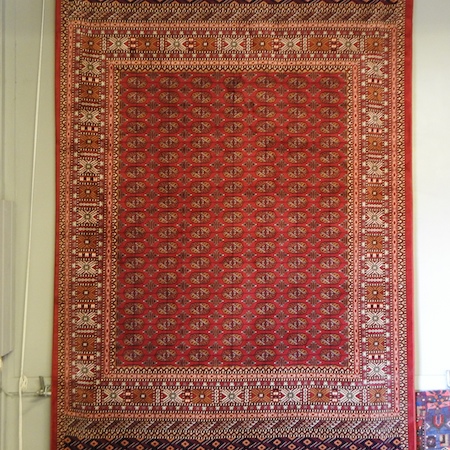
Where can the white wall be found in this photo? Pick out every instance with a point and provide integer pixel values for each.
(18, 78)
(432, 189)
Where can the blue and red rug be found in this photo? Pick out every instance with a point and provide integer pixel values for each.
(433, 420)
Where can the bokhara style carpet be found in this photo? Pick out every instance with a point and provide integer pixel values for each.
(234, 240)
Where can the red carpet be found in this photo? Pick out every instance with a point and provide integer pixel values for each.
(234, 250)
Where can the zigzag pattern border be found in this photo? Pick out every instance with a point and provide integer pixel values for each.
(72, 443)
(387, 2)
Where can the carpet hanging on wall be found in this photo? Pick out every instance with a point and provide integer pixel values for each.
(234, 242)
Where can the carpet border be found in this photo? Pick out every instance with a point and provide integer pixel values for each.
(409, 238)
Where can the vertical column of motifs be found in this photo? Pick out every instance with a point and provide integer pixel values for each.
(87, 154)
(232, 112)
(204, 227)
(266, 184)
(378, 287)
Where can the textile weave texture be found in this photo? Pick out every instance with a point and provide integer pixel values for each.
(234, 243)
(433, 420)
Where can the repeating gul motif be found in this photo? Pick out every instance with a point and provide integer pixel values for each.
(211, 207)
(230, 211)
(231, 196)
